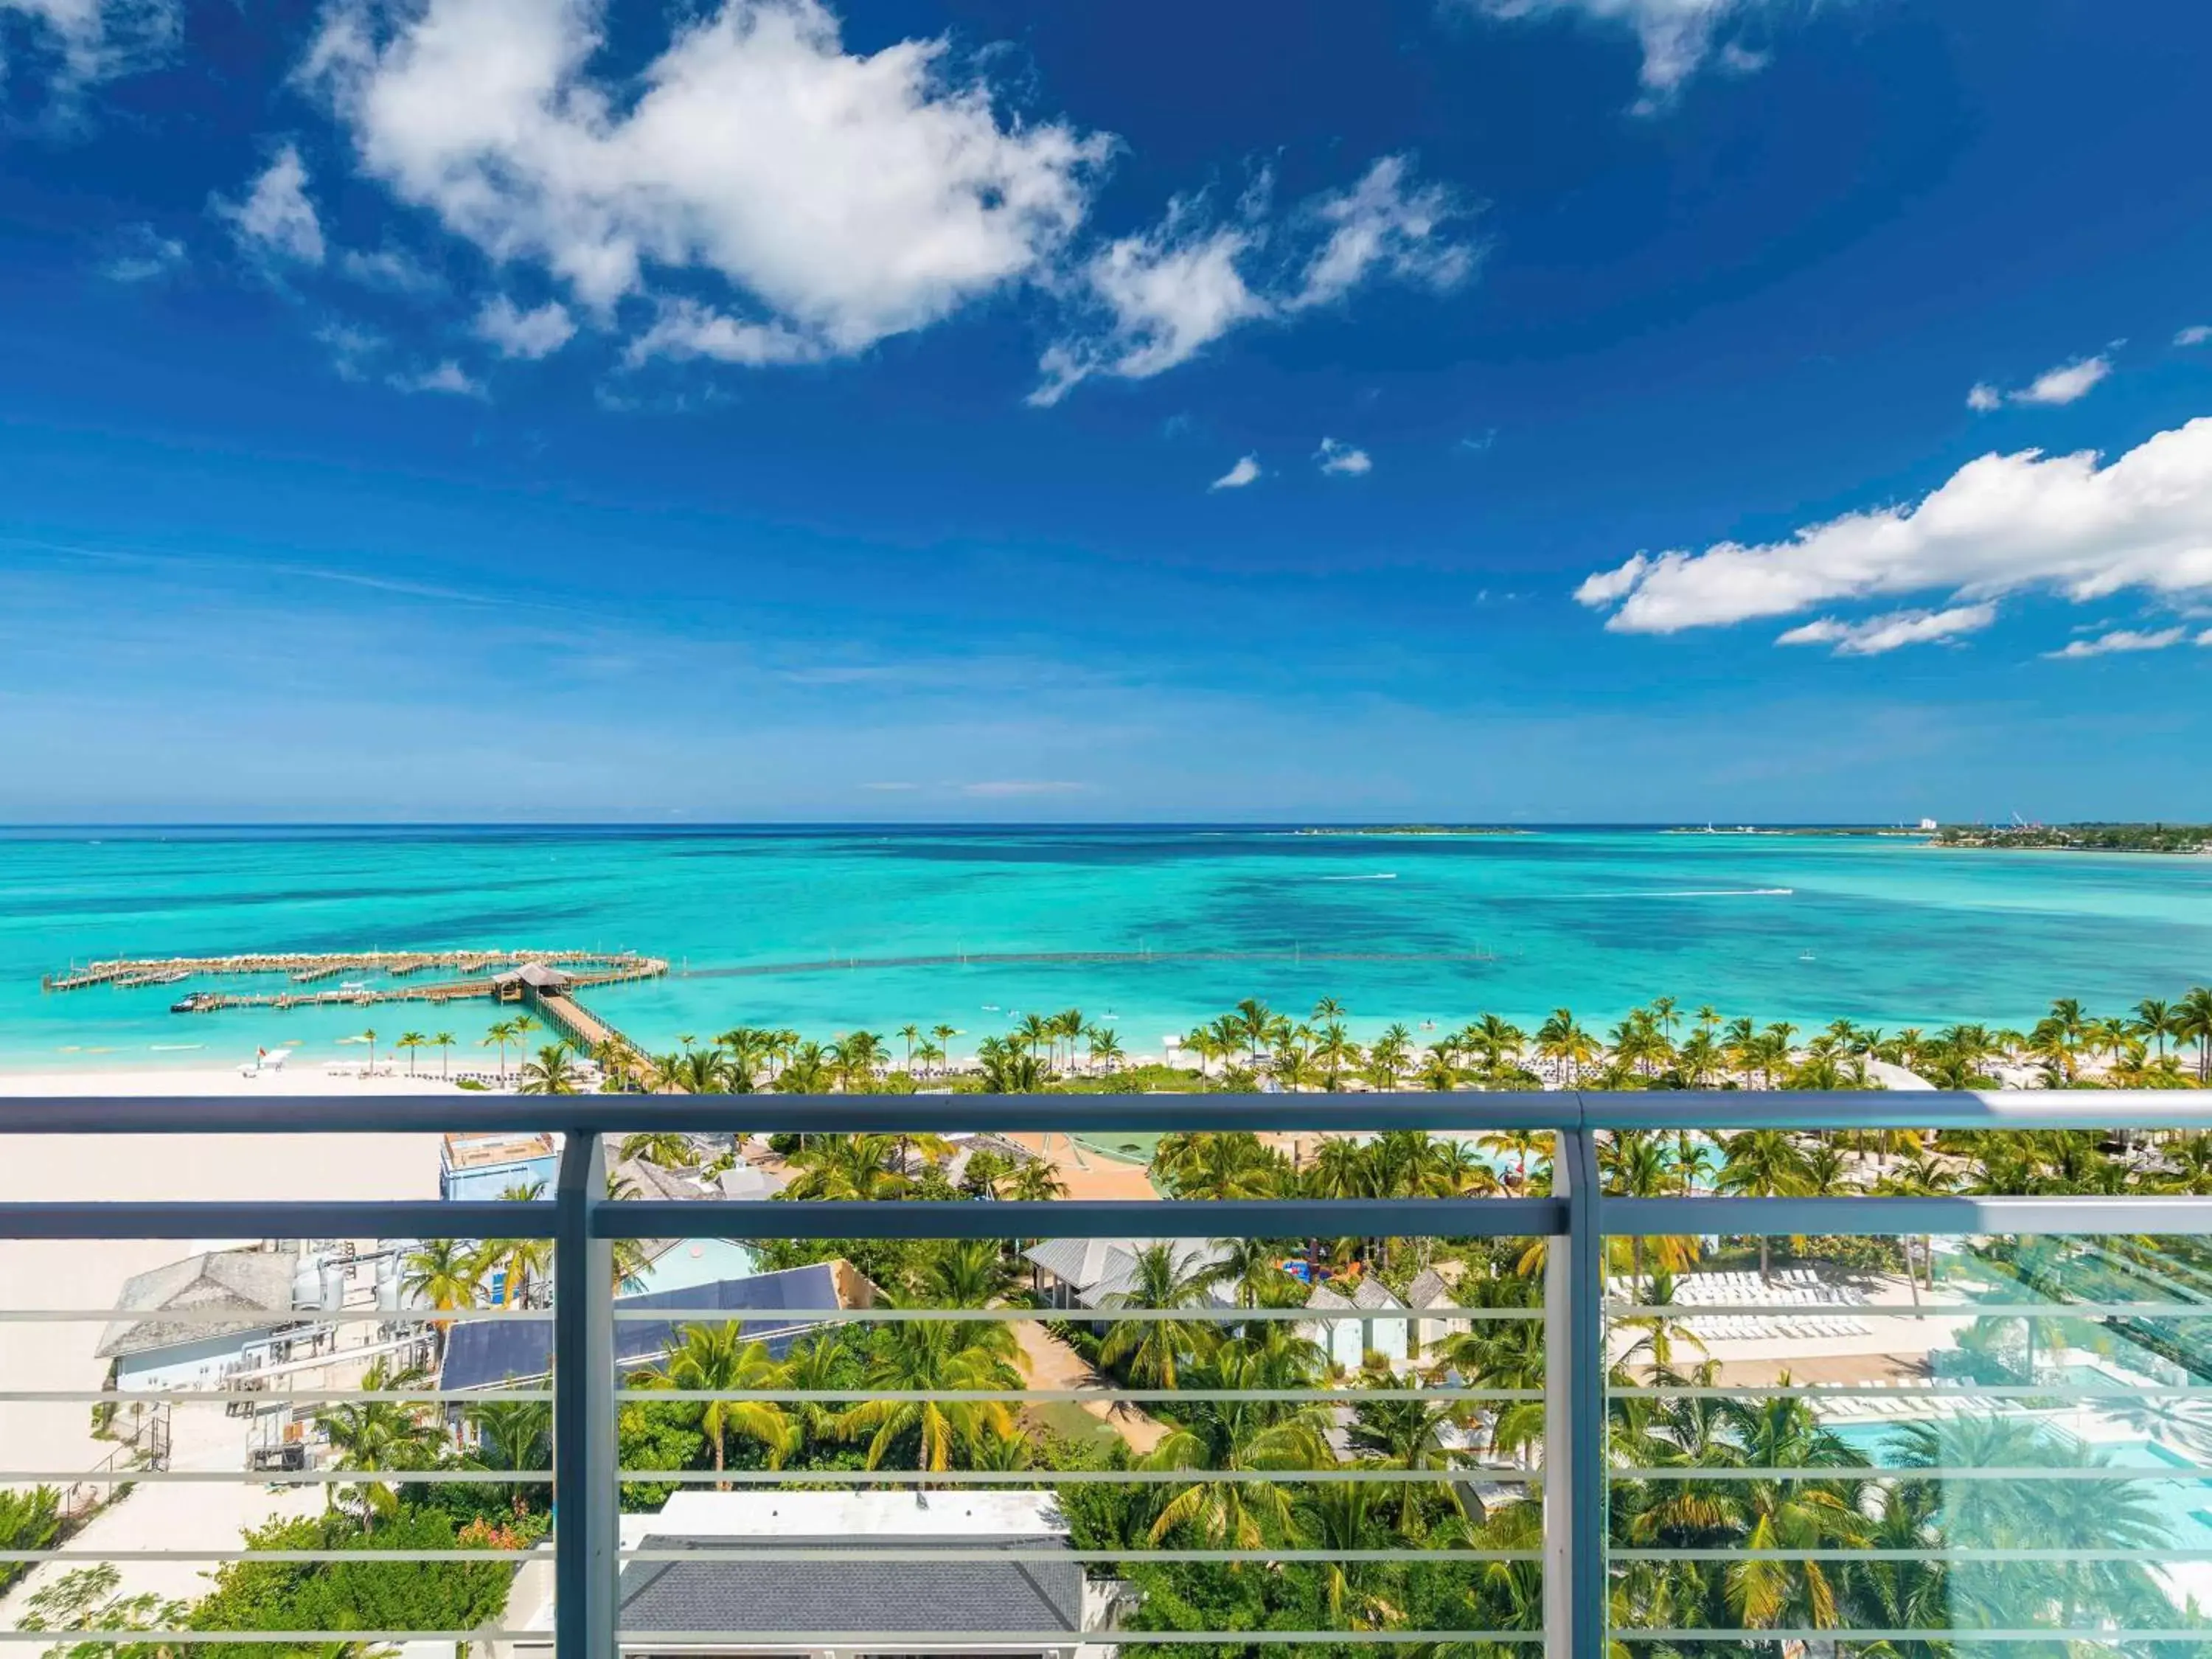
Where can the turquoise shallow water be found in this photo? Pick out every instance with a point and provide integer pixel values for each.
(1405, 928)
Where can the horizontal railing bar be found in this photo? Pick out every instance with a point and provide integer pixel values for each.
(1869, 1216)
(1944, 1634)
(858, 1552)
(1347, 1396)
(770, 1639)
(1853, 1391)
(1674, 1312)
(138, 1638)
(297, 1316)
(764, 1114)
(1289, 1218)
(764, 1476)
(1197, 1315)
(2052, 1553)
(262, 1397)
(2082, 1471)
(1027, 1478)
(297, 1557)
(392, 1218)
(1463, 1111)
(275, 1477)
(1025, 1639)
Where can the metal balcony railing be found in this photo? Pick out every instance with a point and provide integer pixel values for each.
(1833, 1476)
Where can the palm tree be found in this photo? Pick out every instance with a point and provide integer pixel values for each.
(1234, 1437)
(666, 1148)
(1105, 1047)
(518, 1261)
(551, 1073)
(1763, 1163)
(718, 1358)
(373, 1436)
(1164, 1278)
(1327, 1011)
(2192, 1022)
(411, 1041)
(1035, 1181)
(1258, 1020)
(444, 1273)
(443, 1042)
(1407, 1434)
(369, 1037)
(1561, 1039)
(944, 1035)
(1034, 1029)
(1335, 1050)
(511, 1434)
(910, 1031)
(501, 1032)
(934, 1358)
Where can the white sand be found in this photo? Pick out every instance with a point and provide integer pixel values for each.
(90, 1275)
(56, 1440)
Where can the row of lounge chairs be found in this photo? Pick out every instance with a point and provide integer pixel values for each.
(1803, 1305)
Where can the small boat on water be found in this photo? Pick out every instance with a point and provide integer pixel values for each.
(1806, 956)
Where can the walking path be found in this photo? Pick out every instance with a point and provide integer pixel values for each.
(1053, 1364)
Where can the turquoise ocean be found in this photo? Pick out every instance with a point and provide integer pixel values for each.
(827, 930)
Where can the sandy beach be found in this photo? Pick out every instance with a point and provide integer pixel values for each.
(56, 1440)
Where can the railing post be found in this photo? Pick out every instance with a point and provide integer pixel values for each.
(1574, 1411)
(587, 1563)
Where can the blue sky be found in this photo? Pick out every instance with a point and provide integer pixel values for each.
(1610, 409)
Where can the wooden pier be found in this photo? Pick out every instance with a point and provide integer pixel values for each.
(308, 968)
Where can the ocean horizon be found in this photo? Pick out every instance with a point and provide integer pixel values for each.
(830, 928)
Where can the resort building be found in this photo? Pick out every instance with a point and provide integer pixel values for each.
(484, 1166)
(196, 1321)
(1094, 1273)
(1034, 1604)
(1349, 1341)
(490, 1353)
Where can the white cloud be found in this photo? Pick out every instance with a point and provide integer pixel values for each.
(391, 268)
(1676, 35)
(1876, 634)
(2124, 639)
(1162, 296)
(846, 198)
(447, 377)
(1247, 470)
(685, 329)
(1999, 524)
(2066, 384)
(145, 254)
(1342, 459)
(350, 345)
(2195, 334)
(1379, 224)
(1168, 292)
(520, 333)
(277, 217)
(92, 40)
(996, 787)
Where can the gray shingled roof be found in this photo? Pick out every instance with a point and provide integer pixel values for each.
(1322, 1297)
(1373, 1293)
(851, 1593)
(1428, 1290)
(257, 1283)
(1100, 1269)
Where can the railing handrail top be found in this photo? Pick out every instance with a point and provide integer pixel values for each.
(1467, 1111)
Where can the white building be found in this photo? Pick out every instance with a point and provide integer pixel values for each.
(1348, 1341)
(194, 1322)
(1035, 1604)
